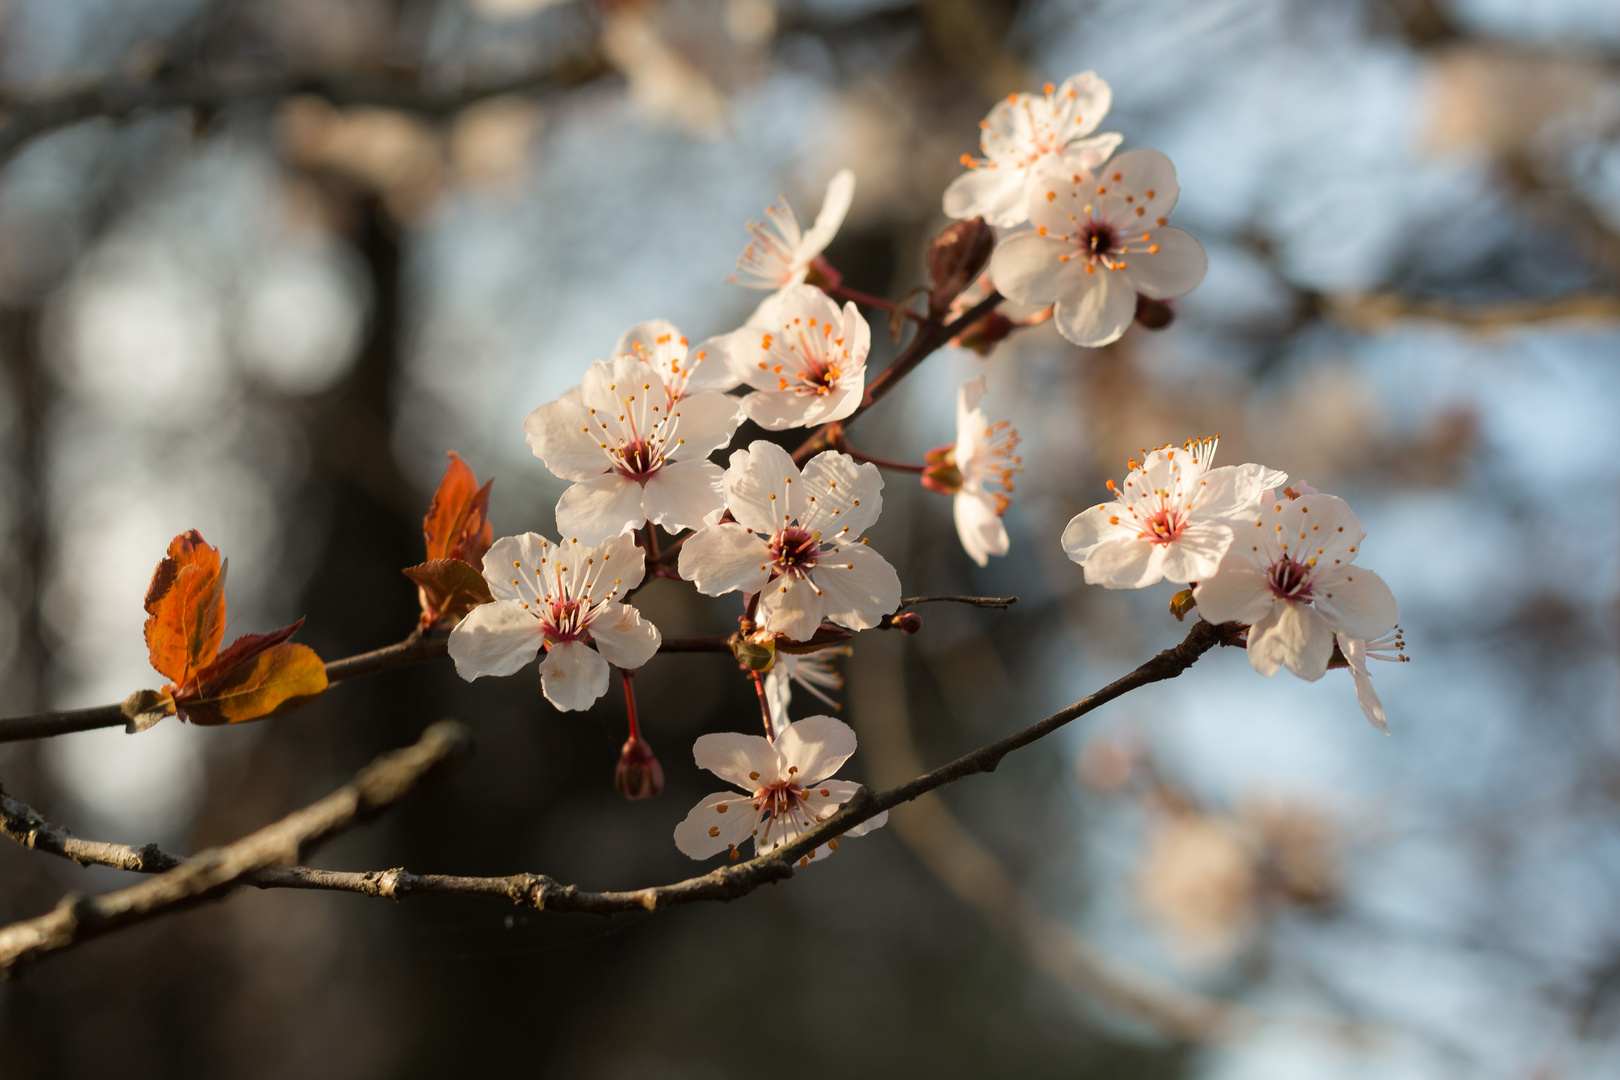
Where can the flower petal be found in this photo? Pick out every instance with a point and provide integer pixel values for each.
(1238, 592)
(1091, 527)
(857, 587)
(837, 497)
(757, 484)
(1088, 155)
(1196, 554)
(1291, 635)
(706, 831)
(495, 639)
(573, 675)
(682, 493)
(708, 367)
(1140, 171)
(558, 433)
(623, 637)
(792, 606)
(701, 424)
(834, 206)
(993, 192)
(723, 558)
(599, 509)
(814, 748)
(1355, 654)
(778, 410)
(1026, 268)
(979, 526)
(1359, 603)
(510, 563)
(1097, 310)
(1083, 100)
(749, 761)
(1174, 269)
(1123, 562)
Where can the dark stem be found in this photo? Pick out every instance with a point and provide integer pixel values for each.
(844, 292)
(884, 463)
(651, 537)
(629, 678)
(764, 705)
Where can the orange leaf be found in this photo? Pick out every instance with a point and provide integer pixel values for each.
(449, 589)
(457, 523)
(185, 605)
(274, 680)
(243, 648)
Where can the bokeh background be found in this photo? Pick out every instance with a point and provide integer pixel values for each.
(374, 230)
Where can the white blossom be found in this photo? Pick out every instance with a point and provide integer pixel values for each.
(562, 597)
(636, 451)
(796, 542)
(1024, 131)
(788, 788)
(977, 471)
(1357, 651)
(685, 370)
(1174, 518)
(780, 254)
(1291, 575)
(813, 671)
(804, 358)
(1100, 238)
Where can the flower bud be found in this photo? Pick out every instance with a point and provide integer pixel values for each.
(823, 275)
(1182, 603)
(907, 623)
(1154, 314)
(955, 259)
(754, 655)
(638, 775)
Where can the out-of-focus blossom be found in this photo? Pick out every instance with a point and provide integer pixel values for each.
(1023, 132)
(1356, 652)
(560, 596)
(1198, 879)
(788, 788)
(978, 471)
(1100, 238)
(813, 671)
(780, 253)
(636, 454)
(988, 330)
(796, 542)
(1291, 575)
(806, 362)
(685, 370)
(1173, 519)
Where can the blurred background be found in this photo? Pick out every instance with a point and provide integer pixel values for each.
(263, 262)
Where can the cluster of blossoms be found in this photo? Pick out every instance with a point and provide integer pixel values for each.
(1084, 241)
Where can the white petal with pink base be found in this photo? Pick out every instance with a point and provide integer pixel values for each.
(780, 253)
(806, 362)
(787, 789)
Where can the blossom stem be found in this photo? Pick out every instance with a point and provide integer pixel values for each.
(883, 463)
(629, 678)
(844, 292)
(651, 545)
(764, 705)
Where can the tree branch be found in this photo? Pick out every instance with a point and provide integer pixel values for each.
(211, 874)
(29, 118)
(724, 883)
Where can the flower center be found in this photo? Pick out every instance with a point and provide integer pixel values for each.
(637, 460)
(794, 551)
(779, 798)
(1098, 238)
(1163, 526)
(565, 620)
(1290, 580)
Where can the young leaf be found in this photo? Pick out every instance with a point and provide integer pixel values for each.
(457, 523)
(185, 605)
(144, 708)
(449, 588)
(242, 649)
(274, 680)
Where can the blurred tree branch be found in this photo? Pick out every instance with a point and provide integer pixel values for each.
(27, 118)
(212, 873)
(254, 859)
(1380, 311)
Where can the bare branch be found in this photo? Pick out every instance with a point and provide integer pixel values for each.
(28, 118)
(725, 883)
(214, 873)
(1380, 312)
(1000, 603)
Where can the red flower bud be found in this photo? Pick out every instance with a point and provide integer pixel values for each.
(908, 623)
(955, 259)
(638, 775)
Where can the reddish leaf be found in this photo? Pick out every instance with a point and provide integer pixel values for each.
(449, 588)
(185, 604)
(243, 648)
(457, 523)
(274, 680)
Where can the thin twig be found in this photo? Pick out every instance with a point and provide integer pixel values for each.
(724, 883)
(1000, 603)
(213, 873)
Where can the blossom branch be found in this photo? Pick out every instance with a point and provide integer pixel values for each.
(724, 883)
(29, 118)
(999, 603)
(214, 873)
